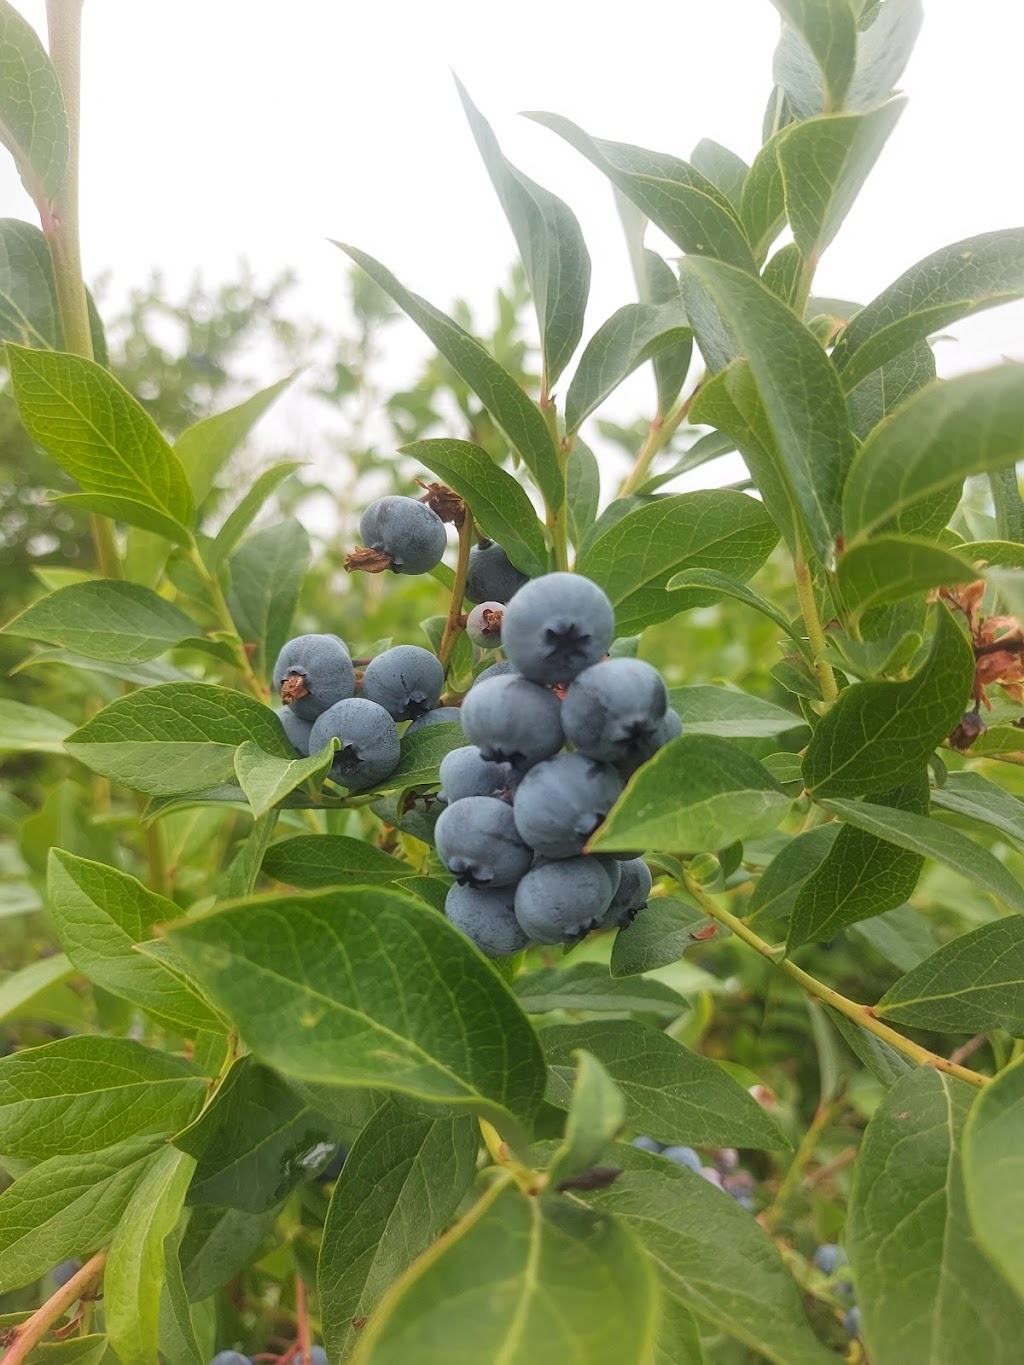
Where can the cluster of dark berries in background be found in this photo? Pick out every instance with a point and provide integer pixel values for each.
(722, 1170)
(555, 730)
(317, 1356)
(832, 1261)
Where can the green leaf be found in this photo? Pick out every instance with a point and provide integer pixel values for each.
(926, 1292)
(729, 713)
(632, 335)
(422, 752)
(687, 206)
(311, 861)
(267, 780)
(782, 274)
(931, 839)
(176, 738)
(353, 988)
(828, 31)
(713, 1257)
(18, 990)
(87, 1350)
(133, 1280)
(131, 512)
(883, 49)
(889, 568)
(697, 793)
(952, 283)
(105, 619)
(1008, 503)
(527, 1281)
(518, 418)
(550, 243)
(724, 586)
(806, 437)
(81, 1094)
(267, 573)
(776, 890)
(30, 729)
(902, 936)
(635, 558)
(179, 1340)
(97, 432)
(884, 1063)
(401, 1185)
(671, 1093)
(657, 937)
(243, 515)
(992, 1162)
(879, 734)
(941, 435)
(100, 914)
(862, 874)
(824, 163)
(763, 201)
(33, 121)
(217, 1244)
(588, 986)
(255, 1142)
(597, 1113)
(722, 167)
(973, 984)
(884, 389)
(582, 491)
(206, 446)
(678, 1335)
(28, 303)
(68, 1203)
(974, 796)
(499, 503)
(671, 366)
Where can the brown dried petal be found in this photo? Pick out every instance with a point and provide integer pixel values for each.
(294, 687)
(444, 501)
(364, 560)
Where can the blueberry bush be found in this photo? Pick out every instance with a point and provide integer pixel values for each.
(591, 928)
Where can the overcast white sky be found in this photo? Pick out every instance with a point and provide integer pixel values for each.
(215, 129)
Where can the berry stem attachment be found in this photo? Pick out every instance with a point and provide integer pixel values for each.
(302, 1317)
(558, 517)
(31, 1332)
(861, 1015)
(455, 622)
(815, 631)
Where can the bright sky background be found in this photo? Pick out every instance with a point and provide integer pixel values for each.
(216, 129)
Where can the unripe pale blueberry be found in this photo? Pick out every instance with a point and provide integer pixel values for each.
(230, 1358)
(465, 772)
(65, 1271)
(406, 680)
(851, 1321)
(614, 709)
(560, 803)
(498, 670)
(438, 716)
(829, 1257)
(483, 625)
(511, 720)
(631, 897)
(487, 918)
(683, 1156)
(369, 742)
(312, 673)
(557, 626)
(409, 532)
(711, 1176)
(476, 840)
(492, 577)
(317, 1355)
(647, 1144)
(297, 730)
(558, 902)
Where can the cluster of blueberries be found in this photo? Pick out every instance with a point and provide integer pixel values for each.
(831, 1259)
(725, 1173)
(317, 1356)
(519, 807)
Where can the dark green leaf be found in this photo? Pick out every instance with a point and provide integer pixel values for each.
(401, 1185)
(730, 714)
(992, 1154)
(659, 935)
(902, 936)
(588, 986)
(597, 1113)
(823, 31)
(179, 1339)
(881, 733)
(884, 389)
(763, 202)
(722, 167)
(422, 752)
(206, 446)
(30, 729)
(886, 1064)
(267, 573)
(33, 121)
(550, 243)
(216, 1245)
(673, 1094)
(974, 796)
(105, 619)
(498, 502)
(678, 1335)
(927, 1294)
(130, 511)
(28, 302)
(634, 559)
(783, 272)
(243, 515)
(519, 418)
(724, 586)
(697, 793)
(311, 861)
(583, 491)
(883, 49)
(1009, 505)
(267, 779)
(776, 890)
(632, 335)
(353, 988)
(889, 568)
(671, 366)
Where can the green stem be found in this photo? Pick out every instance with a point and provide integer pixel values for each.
(223, 613)
(804, 283)
(823, 1116)
(558, 517)
(815, 631)
(156, 853)
(658, 435)
(454, 624)
(863, 1015)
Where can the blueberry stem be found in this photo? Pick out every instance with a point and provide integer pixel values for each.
(660, 432)
(223, 613)
(31, 1332)
(302, 1315)
(815, 630)
(454, 623)
(823, 1116)
(558, 517)
(863, 1015)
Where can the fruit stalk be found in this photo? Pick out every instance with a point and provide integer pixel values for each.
(453, 624)
(815, 631)
(32, 1331)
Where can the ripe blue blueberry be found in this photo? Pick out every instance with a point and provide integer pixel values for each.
(492, 576)
(829, 1258)
(476, 840)
(438, 716)
(647, 1144)
(498, 670)
(406, 680)
(410, 533)
(631, 897)
(560, 803)
(557, 626)
(230, 1358)
(296, 729)
(614, 709)
(670, 727)
(369, 742)
(483, 625)
(851, 1321)
(511, 720)
(487, 918)
(683, 1156)
(317, 1355)
(65, 1271)
(558, 902)
(312, 673)
(465, 772)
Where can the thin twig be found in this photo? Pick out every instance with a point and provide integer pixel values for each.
(32, 1331)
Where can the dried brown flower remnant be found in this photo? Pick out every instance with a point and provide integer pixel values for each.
(998, 643)
(444, 501)
(364, 560)
(294, 687)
